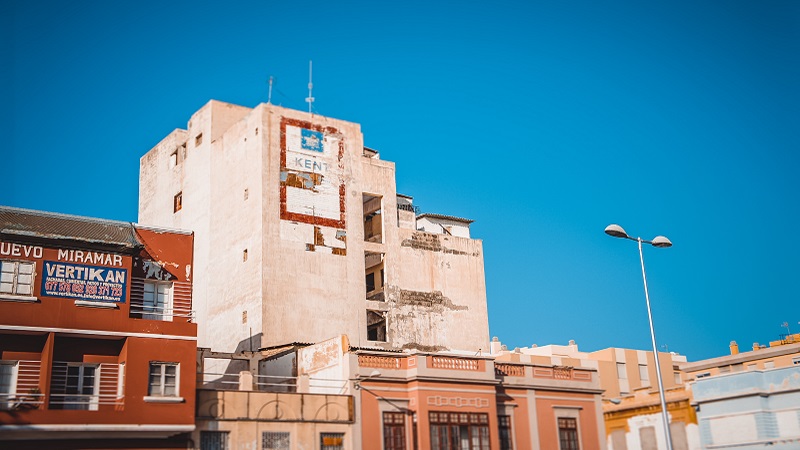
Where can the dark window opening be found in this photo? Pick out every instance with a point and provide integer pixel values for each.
(504, 426)
(394, 431)
(370, 281)
(459, 431)
(376, 326)
(568, 433)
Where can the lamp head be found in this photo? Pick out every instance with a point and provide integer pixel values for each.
(661, 242)
(616, 231)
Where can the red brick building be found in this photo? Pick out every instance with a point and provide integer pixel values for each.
(97, 340)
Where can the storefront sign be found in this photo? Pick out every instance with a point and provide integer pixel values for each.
(94, 283)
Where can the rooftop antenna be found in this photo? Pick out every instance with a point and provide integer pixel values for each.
(269, 96)
(309, 99)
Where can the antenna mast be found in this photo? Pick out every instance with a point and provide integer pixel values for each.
(310, 98)
(269, 96)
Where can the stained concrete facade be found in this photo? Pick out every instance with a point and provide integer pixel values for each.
(300, 234)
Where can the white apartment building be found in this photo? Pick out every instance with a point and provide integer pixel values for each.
(300, 235)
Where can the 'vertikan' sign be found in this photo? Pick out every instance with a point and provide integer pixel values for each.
(83, 282)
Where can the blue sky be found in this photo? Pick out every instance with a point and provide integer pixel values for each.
(542, 121)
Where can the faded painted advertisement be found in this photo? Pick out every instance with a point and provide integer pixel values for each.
(312, 174)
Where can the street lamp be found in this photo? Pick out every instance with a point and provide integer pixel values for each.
(661, 242)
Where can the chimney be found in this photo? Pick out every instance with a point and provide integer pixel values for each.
(755, 346)
(734, 348)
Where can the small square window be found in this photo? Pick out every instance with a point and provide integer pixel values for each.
(198, 140)
(796, 361)
(213, 440)
(331, 441)
(272, 440)
(178, 202)
(769, 365)
(163, 379)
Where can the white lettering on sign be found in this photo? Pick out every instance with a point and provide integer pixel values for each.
(20, 250)
(79, 256)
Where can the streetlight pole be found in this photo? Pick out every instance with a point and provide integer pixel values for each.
(659, 242)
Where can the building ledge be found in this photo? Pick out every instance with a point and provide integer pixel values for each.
(18, 298)
(92, 431)
(92, 304)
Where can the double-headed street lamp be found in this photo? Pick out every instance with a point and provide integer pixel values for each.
(661, 242)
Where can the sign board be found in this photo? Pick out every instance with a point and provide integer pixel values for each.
(84, 282)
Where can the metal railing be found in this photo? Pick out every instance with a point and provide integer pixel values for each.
(270, 383)
(85, 388)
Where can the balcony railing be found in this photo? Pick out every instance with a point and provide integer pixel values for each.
(270, 383)
(446, 362)
(379, 362)
(509, 370)
(27, 394)
(85, 386)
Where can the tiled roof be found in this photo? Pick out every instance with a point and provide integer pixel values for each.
(18, 223)
(444, 217)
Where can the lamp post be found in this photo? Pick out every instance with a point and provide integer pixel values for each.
(660, 242)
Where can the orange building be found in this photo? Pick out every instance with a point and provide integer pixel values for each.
(97, 343)
(339, 397)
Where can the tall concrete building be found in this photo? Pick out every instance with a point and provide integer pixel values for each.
(300, 235)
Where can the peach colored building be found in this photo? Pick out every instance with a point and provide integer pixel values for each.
(345, 397)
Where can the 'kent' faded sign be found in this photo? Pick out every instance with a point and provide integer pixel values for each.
(94, 283)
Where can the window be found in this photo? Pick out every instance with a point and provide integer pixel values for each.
(177, 202)
(8, 383)
(621, 372)
(376, 326)
(703, 375)
(82, 386)
(459, 431)
(16, 278)
(796, 361)
(163, 379)
(769, 365)
(173, 159)
(331, 441)
(394, 431)
(504, 426)
(271, 440)
(157, 301)
(752, 366)
(198, 139)
(677, 378)
(643, 375)
(568, 433)
(213, 440)
(370, 281)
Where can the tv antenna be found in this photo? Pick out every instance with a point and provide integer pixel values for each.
(310, 98)
(269, 96)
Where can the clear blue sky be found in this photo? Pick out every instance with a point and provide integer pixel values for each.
(542, 121)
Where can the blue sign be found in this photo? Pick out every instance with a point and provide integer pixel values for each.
(311, 140)
(93, 283)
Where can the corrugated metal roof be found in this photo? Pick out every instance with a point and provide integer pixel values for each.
(444, 217)
(18, 223)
